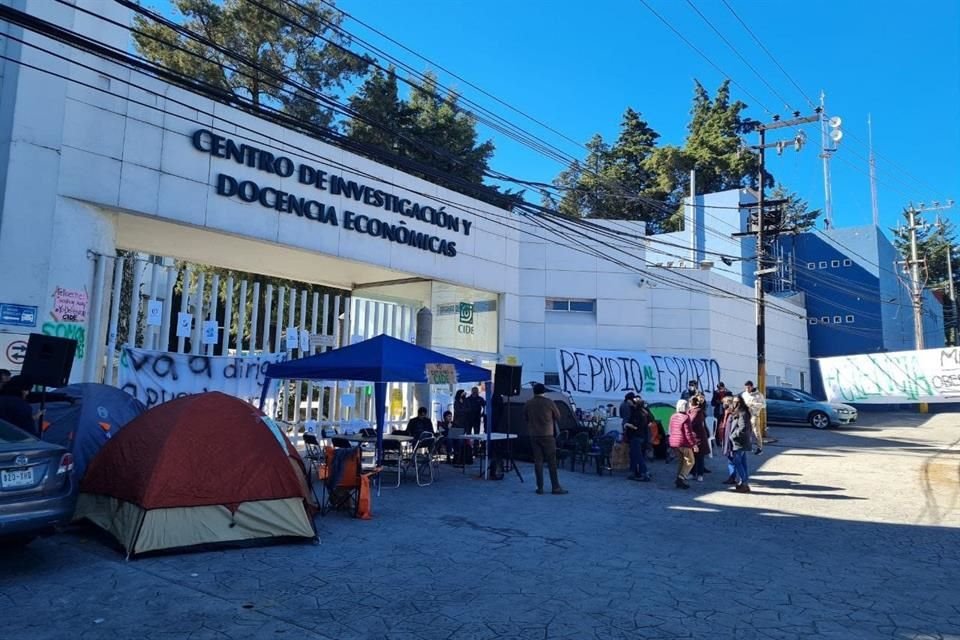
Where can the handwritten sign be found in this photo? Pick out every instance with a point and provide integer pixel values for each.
(210, 331)
(69, 306)
(612, 374)
(154, 313)
(293, 338)
(441, 374)
(928, 375)
(184, 324)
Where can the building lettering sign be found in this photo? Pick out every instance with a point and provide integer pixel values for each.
(250, 191)
(927, 375)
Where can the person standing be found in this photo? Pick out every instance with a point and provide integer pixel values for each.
(684, 441)
(637, 432)
(756, 404)
(740, 435)
(716, 401)
(541, 415)
(698, 423)
(14, 407)
(693, 388)
(723, 429)
(626, 407)
(475, 406)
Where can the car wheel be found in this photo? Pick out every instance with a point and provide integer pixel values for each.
(819, 420)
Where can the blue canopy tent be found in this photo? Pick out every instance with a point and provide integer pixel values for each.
(379, 360)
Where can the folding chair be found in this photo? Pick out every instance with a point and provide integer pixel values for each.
(393, 460)
(440, 443)
(422, 456)
(344, 481)
(312, 450)
(341, 443)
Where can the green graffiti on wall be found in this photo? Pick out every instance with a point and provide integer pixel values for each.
(880, 376)
(70, 330)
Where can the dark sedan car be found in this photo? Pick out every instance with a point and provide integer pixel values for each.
(35, 485)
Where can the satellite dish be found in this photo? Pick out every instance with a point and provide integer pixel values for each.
(835, 122)
(836, 135)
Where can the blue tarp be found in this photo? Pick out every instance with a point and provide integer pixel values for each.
(380, 360)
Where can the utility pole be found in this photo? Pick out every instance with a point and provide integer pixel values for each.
(954, 325)
(913, 268)
(762, 269)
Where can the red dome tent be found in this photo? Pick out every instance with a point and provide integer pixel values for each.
(201, 469)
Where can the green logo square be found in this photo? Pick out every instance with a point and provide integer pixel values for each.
(466, 313)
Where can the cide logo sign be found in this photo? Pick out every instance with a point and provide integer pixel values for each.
(466, 318)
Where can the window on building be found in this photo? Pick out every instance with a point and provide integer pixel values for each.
(575, 305)
(847, 262)
(834, 263)
(849, 319)
(811, 265)
(823, 264)
(837, 320)
(812, 320)
(825, 320)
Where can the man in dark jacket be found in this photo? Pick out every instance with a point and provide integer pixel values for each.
(14, 407)
(420, 424)
(541, 414)
(637, 432)
(475, 406)
(693, 389)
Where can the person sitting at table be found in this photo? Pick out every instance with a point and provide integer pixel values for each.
(447, 423)
(419, 424)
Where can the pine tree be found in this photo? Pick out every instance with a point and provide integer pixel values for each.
(797, 213)
(278, 45)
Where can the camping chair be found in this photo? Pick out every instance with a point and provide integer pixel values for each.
(344, 481)
(368, 432)
(341, 443)
(422, 457)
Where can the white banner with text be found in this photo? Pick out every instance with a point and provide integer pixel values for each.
(897, 377)
(154, 377)
(612, 374)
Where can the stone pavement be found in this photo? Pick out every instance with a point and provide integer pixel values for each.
(850, 534)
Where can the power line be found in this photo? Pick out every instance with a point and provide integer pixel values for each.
(810, 102)
(704, 56)
(786, 103)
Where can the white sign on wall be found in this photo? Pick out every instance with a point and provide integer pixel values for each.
(154, 377)
(612, 374)
(929, 375)
(210, 331)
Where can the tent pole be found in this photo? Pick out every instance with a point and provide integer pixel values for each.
(488, 427)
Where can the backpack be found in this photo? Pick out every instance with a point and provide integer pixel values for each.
(655, 428)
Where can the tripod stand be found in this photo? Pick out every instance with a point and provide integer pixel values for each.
(508, 462)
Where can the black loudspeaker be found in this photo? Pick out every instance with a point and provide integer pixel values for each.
(49, 360)
(506, 380)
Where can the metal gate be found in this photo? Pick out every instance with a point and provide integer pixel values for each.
(147, 294)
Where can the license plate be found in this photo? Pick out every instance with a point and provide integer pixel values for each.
(16, 478)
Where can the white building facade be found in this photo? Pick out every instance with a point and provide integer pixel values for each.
(97, 159)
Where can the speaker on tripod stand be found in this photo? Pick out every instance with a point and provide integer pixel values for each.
(506, 383)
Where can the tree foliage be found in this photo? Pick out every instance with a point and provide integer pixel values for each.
(428, 129)
(281, 55)
(635, 179)
(797, 213)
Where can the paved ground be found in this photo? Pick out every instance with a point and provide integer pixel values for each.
(850, 534)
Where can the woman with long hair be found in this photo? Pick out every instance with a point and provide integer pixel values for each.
(740, 441)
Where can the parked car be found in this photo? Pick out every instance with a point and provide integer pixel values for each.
(36, 485)
(795, 406)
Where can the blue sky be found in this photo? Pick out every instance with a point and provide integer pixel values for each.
(576, 66)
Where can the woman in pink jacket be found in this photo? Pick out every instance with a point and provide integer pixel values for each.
(684, 441)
